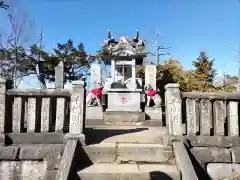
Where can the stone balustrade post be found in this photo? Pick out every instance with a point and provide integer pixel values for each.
(77, 111)
(2, 103)
(173, 109)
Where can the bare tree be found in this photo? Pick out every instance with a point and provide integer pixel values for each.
(4, 5)
(14, 63)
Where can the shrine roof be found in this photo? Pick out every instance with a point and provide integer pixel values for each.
(123, 47)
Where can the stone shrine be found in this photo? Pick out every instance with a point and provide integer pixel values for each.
(124, 95)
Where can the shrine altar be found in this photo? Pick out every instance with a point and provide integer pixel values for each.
(125, 100)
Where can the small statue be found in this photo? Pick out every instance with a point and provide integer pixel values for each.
(152, 95)
(95, 97)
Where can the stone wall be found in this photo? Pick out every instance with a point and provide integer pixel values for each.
(30, 161)
(218, 160)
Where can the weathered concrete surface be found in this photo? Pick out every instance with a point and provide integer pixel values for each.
(36, 138)
(94, 112)
(235, 152)
(211, 154)
(104, 152)
(129, 171)
(119, 117)
(214, 141)
(8, 152)
(31, 170)
(2, 139)
(52, 153)
(184, 163)
(223, 171)
(66, 164)
(127, 152)
(145, 153)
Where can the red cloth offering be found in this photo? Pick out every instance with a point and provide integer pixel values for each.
(97, 92)
(152, 92)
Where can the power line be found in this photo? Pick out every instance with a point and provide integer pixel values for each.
(158, 47)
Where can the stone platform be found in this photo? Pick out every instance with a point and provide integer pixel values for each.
(121, 117)
(109, 171)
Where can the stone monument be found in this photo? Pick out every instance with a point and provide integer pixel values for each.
(152, 111)
(94, 96)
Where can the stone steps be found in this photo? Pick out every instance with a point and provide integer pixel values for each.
(124, 153)
(125, 134)
(108, 171)
(100, 122)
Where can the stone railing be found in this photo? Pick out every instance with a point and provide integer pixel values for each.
(201, 113)
(209, 125)
(34, 107)
(31, 137)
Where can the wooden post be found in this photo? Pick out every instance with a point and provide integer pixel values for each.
(2, 104)
(77, 111)
(173, 112)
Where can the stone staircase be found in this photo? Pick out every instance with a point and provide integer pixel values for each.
(128, 153)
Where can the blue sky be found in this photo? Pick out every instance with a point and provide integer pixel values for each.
(188, 26)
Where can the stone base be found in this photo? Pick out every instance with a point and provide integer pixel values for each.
(123, 117)
(103, 171)
(153, 113)
(80, 137)
(94, 112)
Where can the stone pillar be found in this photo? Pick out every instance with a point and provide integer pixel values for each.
(2, 104)
(96, 76)
(134, 85)
(150, 75)
(173, 109)
(77, 111)
(113, 68)
(59, 76)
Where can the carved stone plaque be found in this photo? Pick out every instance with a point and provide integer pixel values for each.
(60, 114)
(233, 126)
(192, 116)
(17, 110)
(45, 114)
(205, 117)
(31, 120)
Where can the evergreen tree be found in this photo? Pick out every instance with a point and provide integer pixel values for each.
(76, 61)
(204, 71)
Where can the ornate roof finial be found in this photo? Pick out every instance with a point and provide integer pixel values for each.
(137, 34)
(109, 34)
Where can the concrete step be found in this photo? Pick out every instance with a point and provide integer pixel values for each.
(125, 134)
(100, 122)
(123, 117)
(129, 171)
(129, 153)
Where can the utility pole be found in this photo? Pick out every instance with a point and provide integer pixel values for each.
(238, 84)
(158, 47)
(40, 63)
(238, 61)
